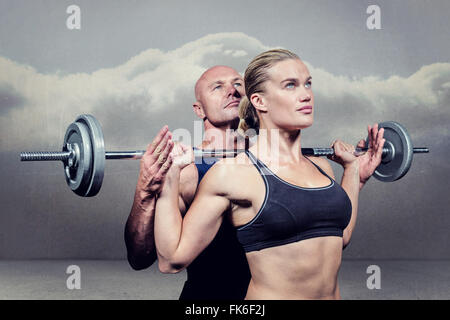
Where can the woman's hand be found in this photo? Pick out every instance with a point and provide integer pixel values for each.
(344, 153)
(181, 155)
(372, 158)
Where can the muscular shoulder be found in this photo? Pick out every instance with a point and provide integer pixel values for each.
(188, 182)
(324, 164)
(223, 176)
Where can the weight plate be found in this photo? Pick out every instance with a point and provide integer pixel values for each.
(78, 177)
(98, 153)
(397, 140)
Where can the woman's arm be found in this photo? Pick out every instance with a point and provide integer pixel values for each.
(369, 162)
(344, 155)
(351, 184)
(179, 241)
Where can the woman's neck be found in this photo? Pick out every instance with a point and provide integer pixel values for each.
(280, 145)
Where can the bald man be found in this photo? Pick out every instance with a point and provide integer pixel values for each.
(221, 270)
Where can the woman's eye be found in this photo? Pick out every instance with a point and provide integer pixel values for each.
(308, 84)
(290, 85)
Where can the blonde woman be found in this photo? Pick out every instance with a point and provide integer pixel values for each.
(291, 216)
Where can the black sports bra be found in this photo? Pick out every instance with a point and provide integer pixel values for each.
(291, 213)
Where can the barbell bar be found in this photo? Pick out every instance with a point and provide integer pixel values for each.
(83, 154)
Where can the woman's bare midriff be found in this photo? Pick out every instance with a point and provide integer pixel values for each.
(307, 269)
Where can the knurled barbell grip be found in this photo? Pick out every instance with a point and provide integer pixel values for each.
(320, 152)
(358, 151)
(45, 156)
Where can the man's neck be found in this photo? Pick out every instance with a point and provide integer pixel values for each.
(224, 137)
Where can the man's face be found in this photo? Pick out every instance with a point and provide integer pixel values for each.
(219, 92)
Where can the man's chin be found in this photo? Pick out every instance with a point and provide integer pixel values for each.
(233, 121)
(232, 111)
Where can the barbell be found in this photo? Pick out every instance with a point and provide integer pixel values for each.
(83, 154)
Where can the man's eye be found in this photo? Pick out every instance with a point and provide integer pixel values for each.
(237, 84)
(308, 84)
(217, 87)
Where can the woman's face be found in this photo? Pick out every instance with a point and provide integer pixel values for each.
(288, 95)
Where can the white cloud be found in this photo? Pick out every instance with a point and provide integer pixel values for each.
(151, 83)
(156, 86)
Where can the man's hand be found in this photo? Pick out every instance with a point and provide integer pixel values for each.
(155, 163)
(369, 161)
(139, 233)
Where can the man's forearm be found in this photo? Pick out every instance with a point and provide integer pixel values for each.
(139, 231)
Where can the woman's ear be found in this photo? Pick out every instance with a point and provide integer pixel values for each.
(258, 101)
(198, 109)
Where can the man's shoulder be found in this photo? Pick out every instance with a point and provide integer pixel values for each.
(226, 173)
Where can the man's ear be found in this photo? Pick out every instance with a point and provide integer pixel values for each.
(198, 109)
(258, 101)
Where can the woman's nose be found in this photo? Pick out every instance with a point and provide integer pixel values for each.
(305, 95)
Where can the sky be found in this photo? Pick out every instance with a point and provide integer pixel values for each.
(413, 33)
(133, 65)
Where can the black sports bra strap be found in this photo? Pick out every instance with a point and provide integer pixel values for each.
(320, 169)
(263, 170)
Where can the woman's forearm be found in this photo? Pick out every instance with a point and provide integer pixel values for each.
(168, 221)
(351, 184)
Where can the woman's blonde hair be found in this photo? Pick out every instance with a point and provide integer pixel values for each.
(254, 78)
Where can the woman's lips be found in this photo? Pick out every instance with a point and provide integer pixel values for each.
(305, 109)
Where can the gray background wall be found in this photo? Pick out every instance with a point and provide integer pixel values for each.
(133, 65)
